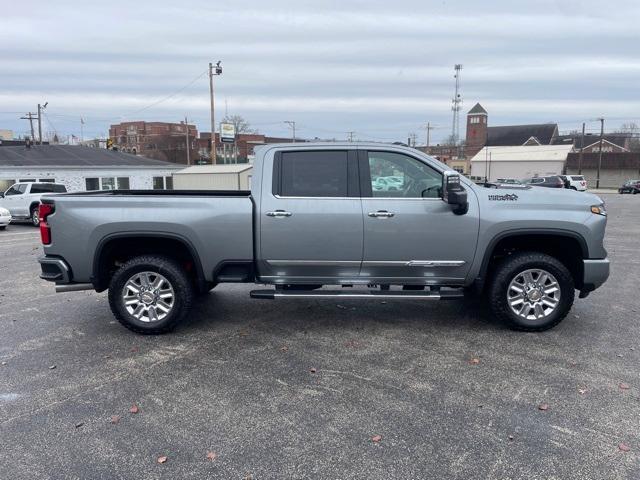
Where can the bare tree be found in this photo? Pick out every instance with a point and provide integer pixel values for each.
(632, 131)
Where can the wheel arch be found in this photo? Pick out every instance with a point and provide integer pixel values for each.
(567, 246)
(112, 247)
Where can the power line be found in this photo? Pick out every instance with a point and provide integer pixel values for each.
(164, 99)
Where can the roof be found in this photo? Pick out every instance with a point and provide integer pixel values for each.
(590, 139)
(204, 169)
(533, 153)
(75, 156)
(518, 134)
(477, 108)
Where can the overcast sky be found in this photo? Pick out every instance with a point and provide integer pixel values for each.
(380, 69)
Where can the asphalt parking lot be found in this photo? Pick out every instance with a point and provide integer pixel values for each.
(300, 388)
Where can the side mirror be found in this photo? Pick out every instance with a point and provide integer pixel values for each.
(454, 193)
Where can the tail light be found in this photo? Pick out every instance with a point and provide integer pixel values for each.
(44, 211)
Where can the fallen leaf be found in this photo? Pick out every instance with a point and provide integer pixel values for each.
(582, 391)
(376, 438)
(243, 333)
(79, 424)
(134, 349)
(4, 363)
(134, 409)
(211, 456)
(624, 386)
(312, 370)
(543, 406)
(474, 361)
(284, 348)
(510, 437)
(115, 419)
(619, 355)
(341, 307)
(52, 367)
(162, 459)
(624, 447)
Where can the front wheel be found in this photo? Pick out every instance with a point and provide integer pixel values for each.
(531, 291)
(150, 294)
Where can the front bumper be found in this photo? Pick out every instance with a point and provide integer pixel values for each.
(5, 220)
(595, 274)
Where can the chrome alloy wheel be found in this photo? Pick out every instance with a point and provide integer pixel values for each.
(148, 296)
(533, 294)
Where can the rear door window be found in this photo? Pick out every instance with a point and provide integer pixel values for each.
(313, 174)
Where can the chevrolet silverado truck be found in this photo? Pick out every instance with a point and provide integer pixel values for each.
(313, 226)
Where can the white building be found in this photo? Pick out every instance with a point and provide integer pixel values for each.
(214, 177)
(519, 162)
(83, 168)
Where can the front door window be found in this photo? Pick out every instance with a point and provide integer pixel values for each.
(395, 175)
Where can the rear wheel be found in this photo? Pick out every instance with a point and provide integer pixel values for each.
(150, 294)
(35, 218)
(531, 291)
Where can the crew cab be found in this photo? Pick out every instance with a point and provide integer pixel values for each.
(312, 226)
(23, 198)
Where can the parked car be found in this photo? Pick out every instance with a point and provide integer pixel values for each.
(574, 182)
(311, 219)
(508, 181)
(630, 186)
(5, 218)
(553, 181)
(22, 199)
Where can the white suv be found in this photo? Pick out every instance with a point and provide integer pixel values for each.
(574, 182)
(22, 199)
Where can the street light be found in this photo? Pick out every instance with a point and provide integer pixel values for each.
(212, 72)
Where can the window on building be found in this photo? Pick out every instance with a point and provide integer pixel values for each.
(107, 183)
(163, 183)
(397, 175)
(92, 183)
(314, 174)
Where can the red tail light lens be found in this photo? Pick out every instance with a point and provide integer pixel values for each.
(44, 211)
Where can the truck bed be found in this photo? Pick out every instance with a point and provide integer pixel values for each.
(217, 225)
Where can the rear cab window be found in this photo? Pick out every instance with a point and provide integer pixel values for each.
(320, 173)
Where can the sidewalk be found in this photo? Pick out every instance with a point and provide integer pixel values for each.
(602, 190)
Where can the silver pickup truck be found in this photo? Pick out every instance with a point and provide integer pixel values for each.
(318, 216)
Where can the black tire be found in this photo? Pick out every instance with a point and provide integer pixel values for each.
(573, 188)
(35, 218)
(508, 269)
(174, 274)
(3, 227)
(635, 192)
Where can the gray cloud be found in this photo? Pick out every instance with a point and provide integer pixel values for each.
(381, 69)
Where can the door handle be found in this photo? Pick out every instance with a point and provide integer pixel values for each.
(279, 214)
(381, 214)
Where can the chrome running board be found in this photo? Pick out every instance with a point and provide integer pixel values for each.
(377, 294)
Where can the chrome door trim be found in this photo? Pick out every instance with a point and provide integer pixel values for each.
(415, 263)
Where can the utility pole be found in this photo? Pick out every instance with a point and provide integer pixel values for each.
(429, 128)
(600, 154)
(81, 129)
(30, 117)
(292, 124)
(351, 136)
(218, 71)
(40, 109)
(581, 151)
(186, 129)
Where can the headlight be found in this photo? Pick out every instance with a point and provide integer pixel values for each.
(599, 210)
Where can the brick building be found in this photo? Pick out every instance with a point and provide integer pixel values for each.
(242, 151)
(158, 140)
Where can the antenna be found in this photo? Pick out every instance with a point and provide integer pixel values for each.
(456, 105)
